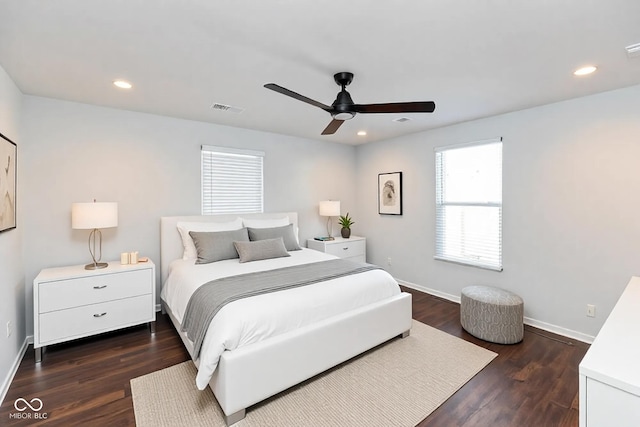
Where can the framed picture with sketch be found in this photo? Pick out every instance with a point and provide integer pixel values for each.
(8, 178)
(390, 193)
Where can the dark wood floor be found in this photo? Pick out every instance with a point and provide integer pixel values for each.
(534, 383)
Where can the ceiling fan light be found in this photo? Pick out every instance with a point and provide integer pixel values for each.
(344, 116)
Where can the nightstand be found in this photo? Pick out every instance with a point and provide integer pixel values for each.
(71, 302)
(353, 248)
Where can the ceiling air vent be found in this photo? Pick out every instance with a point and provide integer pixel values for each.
(402, 119)
(227, 108)
(633, 51)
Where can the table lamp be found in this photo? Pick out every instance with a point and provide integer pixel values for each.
(94, 216)
(330, 208)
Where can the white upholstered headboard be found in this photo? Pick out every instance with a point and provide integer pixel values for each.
(171, 243)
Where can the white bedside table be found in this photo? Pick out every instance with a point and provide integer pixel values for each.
(353, 248)
(71, 302)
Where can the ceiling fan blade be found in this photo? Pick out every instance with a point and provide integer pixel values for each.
(332, 127)
(396, 107)
(297, 96)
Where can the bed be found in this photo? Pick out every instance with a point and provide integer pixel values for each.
(255, 365)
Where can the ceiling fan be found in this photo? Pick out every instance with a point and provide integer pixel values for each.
(343, 108)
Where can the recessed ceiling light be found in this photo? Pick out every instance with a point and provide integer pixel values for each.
(584, 70)
(123, 84)
(362, 133)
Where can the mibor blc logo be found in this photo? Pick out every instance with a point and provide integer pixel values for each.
(28, 409)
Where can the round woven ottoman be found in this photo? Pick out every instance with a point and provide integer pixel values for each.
(492, 314)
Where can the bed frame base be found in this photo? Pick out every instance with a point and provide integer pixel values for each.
(251, 374)
(235, 417)
(239, 415)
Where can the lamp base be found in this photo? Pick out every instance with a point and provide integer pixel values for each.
(95, 266)
(329, 229)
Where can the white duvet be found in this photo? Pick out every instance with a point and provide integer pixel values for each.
(254, 319)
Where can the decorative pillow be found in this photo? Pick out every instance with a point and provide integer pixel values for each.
(286, 233)
(185, 227)
(261, 249)
(216, 246)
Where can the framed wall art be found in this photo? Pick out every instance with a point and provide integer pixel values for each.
(390, 193)
(8, 178)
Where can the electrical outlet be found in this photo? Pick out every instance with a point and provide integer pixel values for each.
(389, 261)
(9, 329)
(591, 310)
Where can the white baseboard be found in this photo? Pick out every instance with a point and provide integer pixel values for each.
(429, 291)
(14, 368)
(559, 330)
(527, 320)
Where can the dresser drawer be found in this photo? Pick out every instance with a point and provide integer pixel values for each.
(64, 294)
(92, 319)
(346, 249)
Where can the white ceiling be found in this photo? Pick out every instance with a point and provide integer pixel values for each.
(473, 58)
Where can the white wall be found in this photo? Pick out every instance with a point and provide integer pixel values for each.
(12, 304)
(571, 190)
(571, 203)
(150, 165)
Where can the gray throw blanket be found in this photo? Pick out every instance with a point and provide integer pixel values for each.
(209, 298)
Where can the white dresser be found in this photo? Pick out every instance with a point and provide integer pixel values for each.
(353, 248)
(71, 302)
(610, 371)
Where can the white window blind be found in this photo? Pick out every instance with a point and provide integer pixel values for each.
(231, 180)
(469, 204)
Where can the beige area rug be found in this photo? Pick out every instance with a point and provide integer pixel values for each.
(396, 384)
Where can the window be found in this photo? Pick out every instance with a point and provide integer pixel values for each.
(231, 180)
(469, 204)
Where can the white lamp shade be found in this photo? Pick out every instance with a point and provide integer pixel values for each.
(330, 208)
(87, 216)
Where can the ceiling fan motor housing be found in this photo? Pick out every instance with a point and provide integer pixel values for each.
(342, 106)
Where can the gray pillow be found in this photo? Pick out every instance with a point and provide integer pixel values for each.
(286, 232)
(261, 249)
(212, 246)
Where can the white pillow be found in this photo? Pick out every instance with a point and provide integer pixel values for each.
(270, 223)
(187, 242)
(265, 223)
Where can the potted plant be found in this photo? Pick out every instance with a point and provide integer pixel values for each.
(346, 222)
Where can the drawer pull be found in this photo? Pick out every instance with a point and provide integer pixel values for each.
(346, 248)
(100, 315)
(100, 287)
